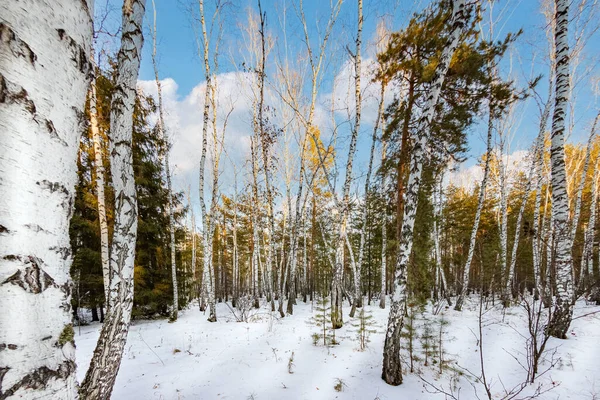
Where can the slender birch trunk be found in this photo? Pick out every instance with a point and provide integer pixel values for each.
(44, 77)
(538, 149)
(255, 211)
(441, 285)
(165, 155)
(382, 294)
(392, 372)
(480, 202)
(101, 375)
(587, 264)
(539, 162)
(358, 99)
(193, 263)
(207, 290)
(563, 308)
(503, 212)
(336, 287)
(100, 183)
(584, 172)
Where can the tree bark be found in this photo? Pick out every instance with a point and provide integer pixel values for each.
(562, 312)
(44, 77)
(101, 375)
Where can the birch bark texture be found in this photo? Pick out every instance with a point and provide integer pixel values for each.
(562, 311)
(104, 366)
(392, 369)
(44, 76)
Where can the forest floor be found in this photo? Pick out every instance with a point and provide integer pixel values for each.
(195, 359)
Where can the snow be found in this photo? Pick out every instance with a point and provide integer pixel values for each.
(195, 359)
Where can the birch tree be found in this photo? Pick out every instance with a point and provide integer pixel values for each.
(165, 155)
(539, 163)
(105, 363)
(44, 77)
(587, 264)
(537, 149)
(383, 270)
(584, 173)
(562, 312)
(343, 207)
(392, 372)
(480, 202)
(207, 276)
(100, 183)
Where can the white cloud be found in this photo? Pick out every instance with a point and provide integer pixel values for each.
(471, 176)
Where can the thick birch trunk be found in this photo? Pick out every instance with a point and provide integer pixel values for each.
(392, 372)
(101, 375)
(44, 77)
(563, 308)
(481, 200)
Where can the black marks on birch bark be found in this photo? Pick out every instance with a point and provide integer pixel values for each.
(32, 278)
(38, 378)
(18, 48)
(78, 54)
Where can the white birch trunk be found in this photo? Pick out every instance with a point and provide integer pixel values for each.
(392, 372)
(539, 161)
(165, 154)
(538, 149)
(336, 287)
(44, 77)
(383, 271)
(503, 213)
(587, 265)
(481, 200)
(584, 172)
(101, 375)
(206, 220)
(193, 266)
(562, 312)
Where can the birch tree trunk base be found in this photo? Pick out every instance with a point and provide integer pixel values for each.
(392, 366)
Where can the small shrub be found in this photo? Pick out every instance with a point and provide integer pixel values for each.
(339, 385)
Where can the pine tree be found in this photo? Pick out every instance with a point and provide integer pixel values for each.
(363, 326)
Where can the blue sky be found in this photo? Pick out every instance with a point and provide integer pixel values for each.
(179, 61)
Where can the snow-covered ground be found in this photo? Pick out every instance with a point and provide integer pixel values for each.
(195, 359)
